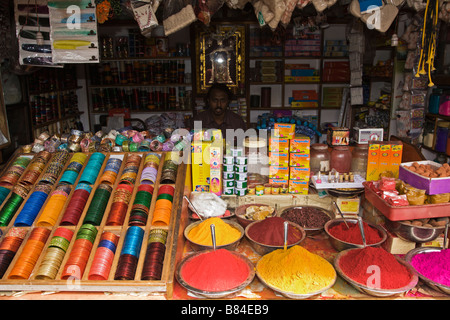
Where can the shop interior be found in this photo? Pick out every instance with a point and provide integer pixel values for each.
(108, 192)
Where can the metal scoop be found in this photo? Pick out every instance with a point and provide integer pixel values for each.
(286, 224)
(361, 228)
(213, 236)
(193, 207)
(340, 212)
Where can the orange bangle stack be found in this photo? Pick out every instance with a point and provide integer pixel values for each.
(30, 254)
(163, 206)
(104, 256)
(54, 206)
(119, 207)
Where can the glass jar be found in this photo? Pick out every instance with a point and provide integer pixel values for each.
(319, 158)
(341, 159)
(441, 136)
(359, 159)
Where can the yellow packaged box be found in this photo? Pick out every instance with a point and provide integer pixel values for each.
(276, 172)
(348, 205)
(200, 165)
(300, 144)
(299, 160)
(278, 144)
(373, 159)
(385, 158)
(215, 170)
(278, 159)
(396, 158)
(298, 186)
(299, 173)
(279, 181)
(284, 130)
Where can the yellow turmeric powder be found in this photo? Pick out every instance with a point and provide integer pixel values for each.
(296, 270)
(225, 233)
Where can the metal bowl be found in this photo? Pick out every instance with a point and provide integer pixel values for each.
(262, 248)
(293, 295)
(215, 294)
(199, 247)
(310, 231)
(374, 291)
(414, 233)
(436, 286)
(340, 245)
(240, 212)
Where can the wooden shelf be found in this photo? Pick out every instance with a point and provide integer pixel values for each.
(47, 123)
(140, 85)
(145, 111)
(143, 58)
(37, 93)
(432, 150)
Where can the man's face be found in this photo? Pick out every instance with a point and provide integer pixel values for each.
(218, 102)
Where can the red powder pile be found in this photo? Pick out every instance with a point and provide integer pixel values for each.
(375, 267)
(215, 271)
(270, 231)
(352, 234)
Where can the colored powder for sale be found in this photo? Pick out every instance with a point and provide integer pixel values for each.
(296, 270)
(433, 265)
(374, 267)
(352, 234)
(215, 271)
(270, 231)
(225, 233)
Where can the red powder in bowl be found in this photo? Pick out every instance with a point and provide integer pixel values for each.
(215, 271)
(352, 234)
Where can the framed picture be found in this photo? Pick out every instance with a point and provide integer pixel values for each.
(162, 46)
(220, 56)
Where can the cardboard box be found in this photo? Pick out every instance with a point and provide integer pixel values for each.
(284, 130)
(278, 145)
(215, 170)
(368, 134)
(385, 158)
(279, 159)
(396, 158)
(299, 160)
(298, 186)
(300, 144)
(348, 205)
(304, 104)
(338, 136)
(279, 181)
(200, 166)
(299, 173)
(373, 158)
(276, 172)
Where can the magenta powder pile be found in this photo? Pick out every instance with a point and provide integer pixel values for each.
(434, 265)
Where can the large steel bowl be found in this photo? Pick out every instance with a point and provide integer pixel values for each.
(377, 292)
(341, 245)
(310, 231)
(436, 286)
(413, 233)
(240, 214)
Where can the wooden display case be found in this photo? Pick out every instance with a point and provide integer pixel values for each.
(162, 288)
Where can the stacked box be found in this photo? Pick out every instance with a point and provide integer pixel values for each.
(332, 97)
(308, 45)
(304, 99)
(336, 71)
(335, 48)
(268, 71)
(300, 73)
(383, 156)
(235, 166)
(289, 157)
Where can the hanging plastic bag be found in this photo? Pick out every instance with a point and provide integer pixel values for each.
(177, 14)
(205, 9)
(144, 15)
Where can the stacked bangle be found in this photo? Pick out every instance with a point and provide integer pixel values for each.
(92, 168)
(32, 206)
(111, 170)
(163, 206)
(15, 171)
(55, 167)
(35, 168)
(79, 255)
(130, 170)
(97, 207)
(9, 209)
(126, 267)
(141, 205)
(54, 206)
(9, 246)
(119, 206)
(76, 205)
(104, 255)
(28, 257)
(54, 256)
(70, 175)
(154, 257)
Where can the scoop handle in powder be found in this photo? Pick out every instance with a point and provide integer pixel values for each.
(213, 236)
(361, 228)
(286, 224)
(195, 209)
(340, 212)
(444, 245)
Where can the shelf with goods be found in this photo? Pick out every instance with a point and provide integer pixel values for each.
(437, 141)
(298, 67)
(53, 100)
(139, 75)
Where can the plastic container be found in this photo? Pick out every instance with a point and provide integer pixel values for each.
(441, 136)
(444, 108)
(433, 104)
(359, 159)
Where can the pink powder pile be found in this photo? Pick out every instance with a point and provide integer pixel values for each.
(434, 265)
